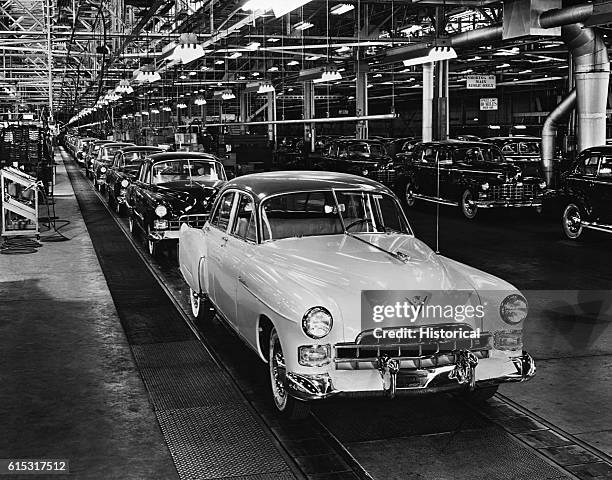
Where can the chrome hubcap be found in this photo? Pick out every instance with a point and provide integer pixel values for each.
(409, 195)
(572, 220)
(195, 303)
(278, 373)
(468, 204)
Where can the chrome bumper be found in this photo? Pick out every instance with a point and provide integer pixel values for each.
(418, 382)
(159, 235)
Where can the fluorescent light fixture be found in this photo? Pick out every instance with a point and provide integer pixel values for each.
(301, 26)
(144, 113)
(313, 58)
(273, 40)
(183, 77)
(279, 7)
(273, 69)
(520, 127)
(343, 49)
(431, 54)
(325, 73)
(474, 59)
(205, 68)
(378, 75)
(192, 74)
(200, 101)
(292, 63)
(494, 127)
(154, 111)
(181, 105)
(219, 62)
(255, 74)
(253, 46)
(526, 71)
(341, 9)
(166, 109)
(503, 65)
(235, 55)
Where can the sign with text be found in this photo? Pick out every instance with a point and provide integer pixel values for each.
(488, 103)
(480, 82)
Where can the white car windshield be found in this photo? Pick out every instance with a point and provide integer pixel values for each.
(318, 213)
(181, 170)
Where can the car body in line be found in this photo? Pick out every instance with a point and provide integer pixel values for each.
(358, 157)
(168, 186)
(123, 170)
(92, 152)
(285, 259)
(586, 193)
(470, 175)
(102, 162)
(81, 146)
(522, 151)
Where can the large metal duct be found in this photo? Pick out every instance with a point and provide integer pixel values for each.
(549, 133)
(591, 76)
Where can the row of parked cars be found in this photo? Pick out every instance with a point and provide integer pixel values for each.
(284, 258)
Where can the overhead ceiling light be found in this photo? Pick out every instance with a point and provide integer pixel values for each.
(301, 26)
(279, 7)
(200, 101)
(145, 113)
(292, 63)
(431, 54)
(181, 105)
(227, 95)
(124, 87)
(313, 58)
(526, 71)
(154, 111)
(343, 49)
(183, 77)
(273, 40)
(192, 74)
(266, 87)
(378, 75)
(474, 59)
(166, 109)
(255, 74)
(273, 69)
(325, 73)
(503, 65)
(520, 127)
(205, 68)
(341, 9)
(187, 50)
(219, 62)
(235, 55)
(253, 46)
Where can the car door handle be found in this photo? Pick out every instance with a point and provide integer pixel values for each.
(224, 241)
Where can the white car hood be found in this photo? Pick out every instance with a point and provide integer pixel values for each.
(335, 269)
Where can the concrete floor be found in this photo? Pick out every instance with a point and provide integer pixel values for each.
(569, 328)
(69, 385)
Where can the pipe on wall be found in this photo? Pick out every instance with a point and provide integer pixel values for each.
(549, 133)
(592, 76)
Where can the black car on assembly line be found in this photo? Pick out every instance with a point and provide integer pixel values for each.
(586, 193)
(123, 170)
(470, 175)
(168, 186)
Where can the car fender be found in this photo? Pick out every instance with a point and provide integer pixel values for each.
(192, 250)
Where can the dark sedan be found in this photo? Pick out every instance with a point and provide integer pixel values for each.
(471, 175)
(169, 186)
(586, 193)
(123, 170)
(359, 157)
(522, 151)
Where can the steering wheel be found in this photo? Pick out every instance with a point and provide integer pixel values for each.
(359, 222)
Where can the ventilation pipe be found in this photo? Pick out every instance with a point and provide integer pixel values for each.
(591, 75)
(549, 133)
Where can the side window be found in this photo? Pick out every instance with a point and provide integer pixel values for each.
(429, 155)
(605, 167)
(590, 165)
(445, 157)
(221, 217)
(244, 223)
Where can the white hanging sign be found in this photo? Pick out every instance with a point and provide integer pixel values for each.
(480, 82)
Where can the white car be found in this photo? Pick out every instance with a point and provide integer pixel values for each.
(321, 275)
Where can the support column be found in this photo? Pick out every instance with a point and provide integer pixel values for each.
(272, 117)
(441, 101)
(308, 111)
(244, 111)
(428, 88)
(361, 99)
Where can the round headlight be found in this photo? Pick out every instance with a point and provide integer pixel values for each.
(125, 183)
(543, 185)
(513, 309)
(161, 211)
(317, 322)
(365, 172)
(103, 169)
(485, 186)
